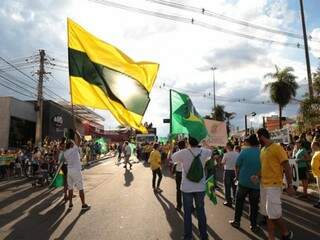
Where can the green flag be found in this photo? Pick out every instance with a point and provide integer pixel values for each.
(103, 145)
(185, 118)
(210, 189)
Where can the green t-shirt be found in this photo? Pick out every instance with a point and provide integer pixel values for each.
(249, 164)
(299, 156)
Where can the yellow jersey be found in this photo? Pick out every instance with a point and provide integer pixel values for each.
(315, 164)
(271, 158)
(155, 160)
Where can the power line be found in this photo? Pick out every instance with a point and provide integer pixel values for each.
(15, 90)
(196, 22)
(17, 85)
(17, 80)
(220, 98)
(24, 74)
(229, 19)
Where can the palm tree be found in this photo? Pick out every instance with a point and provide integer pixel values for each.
(229, 116)
(218, 113)
(283, 88)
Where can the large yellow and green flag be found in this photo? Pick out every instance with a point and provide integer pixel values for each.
(184, 117)
(103, 77)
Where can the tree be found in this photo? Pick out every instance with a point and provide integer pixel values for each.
(316, 82)
(218, 113)
(283, 88)
(229, 116)
(310, 108)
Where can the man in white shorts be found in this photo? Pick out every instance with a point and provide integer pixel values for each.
(72, 156)
(273, 161)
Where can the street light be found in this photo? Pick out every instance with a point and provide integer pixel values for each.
(213, 68)
(252, 114)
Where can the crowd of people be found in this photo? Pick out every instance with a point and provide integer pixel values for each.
(253, 167)
(29, 160)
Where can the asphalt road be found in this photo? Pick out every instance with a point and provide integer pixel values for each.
(125, 207)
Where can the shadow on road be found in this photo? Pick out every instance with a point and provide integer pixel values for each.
(176, 221)
(5, 184)
(39, 225)
(70, 227)
(128, 178)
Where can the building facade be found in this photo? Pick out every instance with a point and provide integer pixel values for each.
(18, 122)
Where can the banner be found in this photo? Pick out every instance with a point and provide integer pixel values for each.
(217, 133)
(280, 136)
(295, 175)
(7, 159)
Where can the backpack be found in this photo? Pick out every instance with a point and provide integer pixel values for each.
(195, 173)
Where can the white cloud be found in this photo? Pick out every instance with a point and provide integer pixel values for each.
(183, 50)
(315, 45)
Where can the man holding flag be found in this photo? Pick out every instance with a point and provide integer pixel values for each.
(185, 119)
(74, 179)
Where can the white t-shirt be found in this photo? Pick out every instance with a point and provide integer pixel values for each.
(72, 156)
(185, 157)
(178, 164)
(229, 160)
(127, 150)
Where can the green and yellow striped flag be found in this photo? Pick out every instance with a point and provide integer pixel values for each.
(103, 77)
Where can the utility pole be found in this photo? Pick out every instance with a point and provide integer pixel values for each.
(39, 107)
(213, 68)
(306, 49)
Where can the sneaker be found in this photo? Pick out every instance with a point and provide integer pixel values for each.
(254, 228)
(227, 204)
(85, 207)
(234, 224)
(288, 237)
(317, 205)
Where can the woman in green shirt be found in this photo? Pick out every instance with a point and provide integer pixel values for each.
(301, 155)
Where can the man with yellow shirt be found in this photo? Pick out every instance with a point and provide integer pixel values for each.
(155, 165)
(274, 161)
(315, 166)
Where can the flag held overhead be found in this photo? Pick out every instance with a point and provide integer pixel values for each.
(103, 77)
(185, 118)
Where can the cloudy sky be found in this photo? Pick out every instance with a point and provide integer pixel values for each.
(185, 51)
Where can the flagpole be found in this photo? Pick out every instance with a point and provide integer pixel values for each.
(170, 97)
(70, 85)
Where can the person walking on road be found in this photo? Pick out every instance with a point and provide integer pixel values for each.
(119, 149)
(193, 190)
(229, 161)
(315, 166)
(155, 165)
(127, 155)
(248, 165)
(74, 179)
(178, 172)
(274, 160)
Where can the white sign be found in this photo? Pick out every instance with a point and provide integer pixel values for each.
(280, 136)
(217, 133)
(295, 176)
